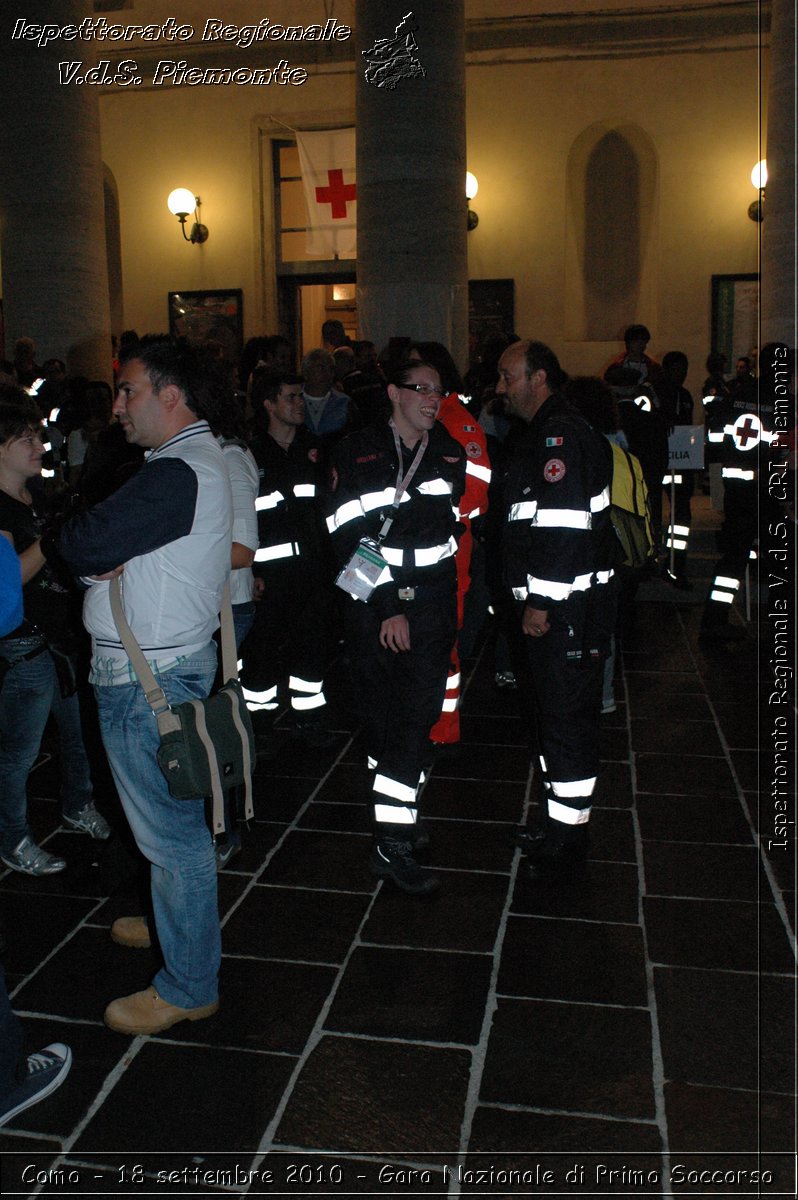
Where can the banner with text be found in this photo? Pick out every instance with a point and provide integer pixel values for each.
(686, 448)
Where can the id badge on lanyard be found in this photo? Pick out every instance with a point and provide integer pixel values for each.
(367, 568)
(364, 571)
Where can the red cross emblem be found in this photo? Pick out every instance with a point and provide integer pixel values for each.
(337, 194)
(747, 428)
(554, 470)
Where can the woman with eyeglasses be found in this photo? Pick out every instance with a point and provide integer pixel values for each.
(30, 689)
(394, 519)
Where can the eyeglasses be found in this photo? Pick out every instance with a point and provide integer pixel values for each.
(425, 389)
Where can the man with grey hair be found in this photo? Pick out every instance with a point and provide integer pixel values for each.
(328, 413)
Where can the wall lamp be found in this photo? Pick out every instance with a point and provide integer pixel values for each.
(182, 202)
(471, 189)
(759, 177)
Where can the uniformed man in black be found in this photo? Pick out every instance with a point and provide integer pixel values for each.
(740, 431)
(559, 551)
(399, 483)
(290, 638)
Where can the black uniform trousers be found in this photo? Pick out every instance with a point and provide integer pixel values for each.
(290, 638)
(741, 517)
(680, 519)
(567, 669)
(400, 696)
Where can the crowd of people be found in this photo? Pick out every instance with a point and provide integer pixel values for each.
(379, 501)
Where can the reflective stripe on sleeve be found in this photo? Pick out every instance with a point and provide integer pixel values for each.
(483, 473)
(554, 590)
(271, 500)
(435, 487)
(601, 501)
(736, 473)
(372, 500)
(270, 553)
(523, 511)
(304, 490)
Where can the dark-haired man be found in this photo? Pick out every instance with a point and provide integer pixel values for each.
(634, 357)
(168, 532)
(559, 552)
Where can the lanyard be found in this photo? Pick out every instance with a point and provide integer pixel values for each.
(402, 481)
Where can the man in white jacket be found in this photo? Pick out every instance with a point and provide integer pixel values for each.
(168, 532)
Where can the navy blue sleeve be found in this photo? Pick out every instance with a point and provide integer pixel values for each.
(153, 508)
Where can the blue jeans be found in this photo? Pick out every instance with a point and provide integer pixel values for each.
(172, 834)
(243, 620)
(28, 695)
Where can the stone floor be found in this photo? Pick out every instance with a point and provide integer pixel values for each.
(632, 1034)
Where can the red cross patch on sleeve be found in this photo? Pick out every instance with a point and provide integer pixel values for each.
(473, 450)
(554, 470)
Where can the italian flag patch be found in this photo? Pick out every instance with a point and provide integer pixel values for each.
(554, 441)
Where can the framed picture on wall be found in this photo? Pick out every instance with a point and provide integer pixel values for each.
(212, 316)
(735, 315)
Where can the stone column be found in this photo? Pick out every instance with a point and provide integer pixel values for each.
(778, 227)
(52, 226)
(412, 269)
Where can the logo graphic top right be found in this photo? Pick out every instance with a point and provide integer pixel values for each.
(392, 59)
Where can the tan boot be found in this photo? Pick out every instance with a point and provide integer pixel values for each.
(145, 1012)
(131, 931)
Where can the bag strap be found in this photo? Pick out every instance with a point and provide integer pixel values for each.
(630, 465)
(153, 693)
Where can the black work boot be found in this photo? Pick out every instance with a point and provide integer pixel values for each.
(392, 858)
(558, 859)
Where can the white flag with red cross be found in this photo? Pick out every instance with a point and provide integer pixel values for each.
(327, 158)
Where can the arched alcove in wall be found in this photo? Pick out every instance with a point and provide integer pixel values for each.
(610, 231)
(113, 249)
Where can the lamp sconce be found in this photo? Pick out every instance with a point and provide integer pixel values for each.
(759, 177)
(471, 189)
(182, 202)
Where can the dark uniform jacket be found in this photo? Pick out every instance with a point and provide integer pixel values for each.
(289, 505)
(420, 546)
(558, 541)
(740, 427)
